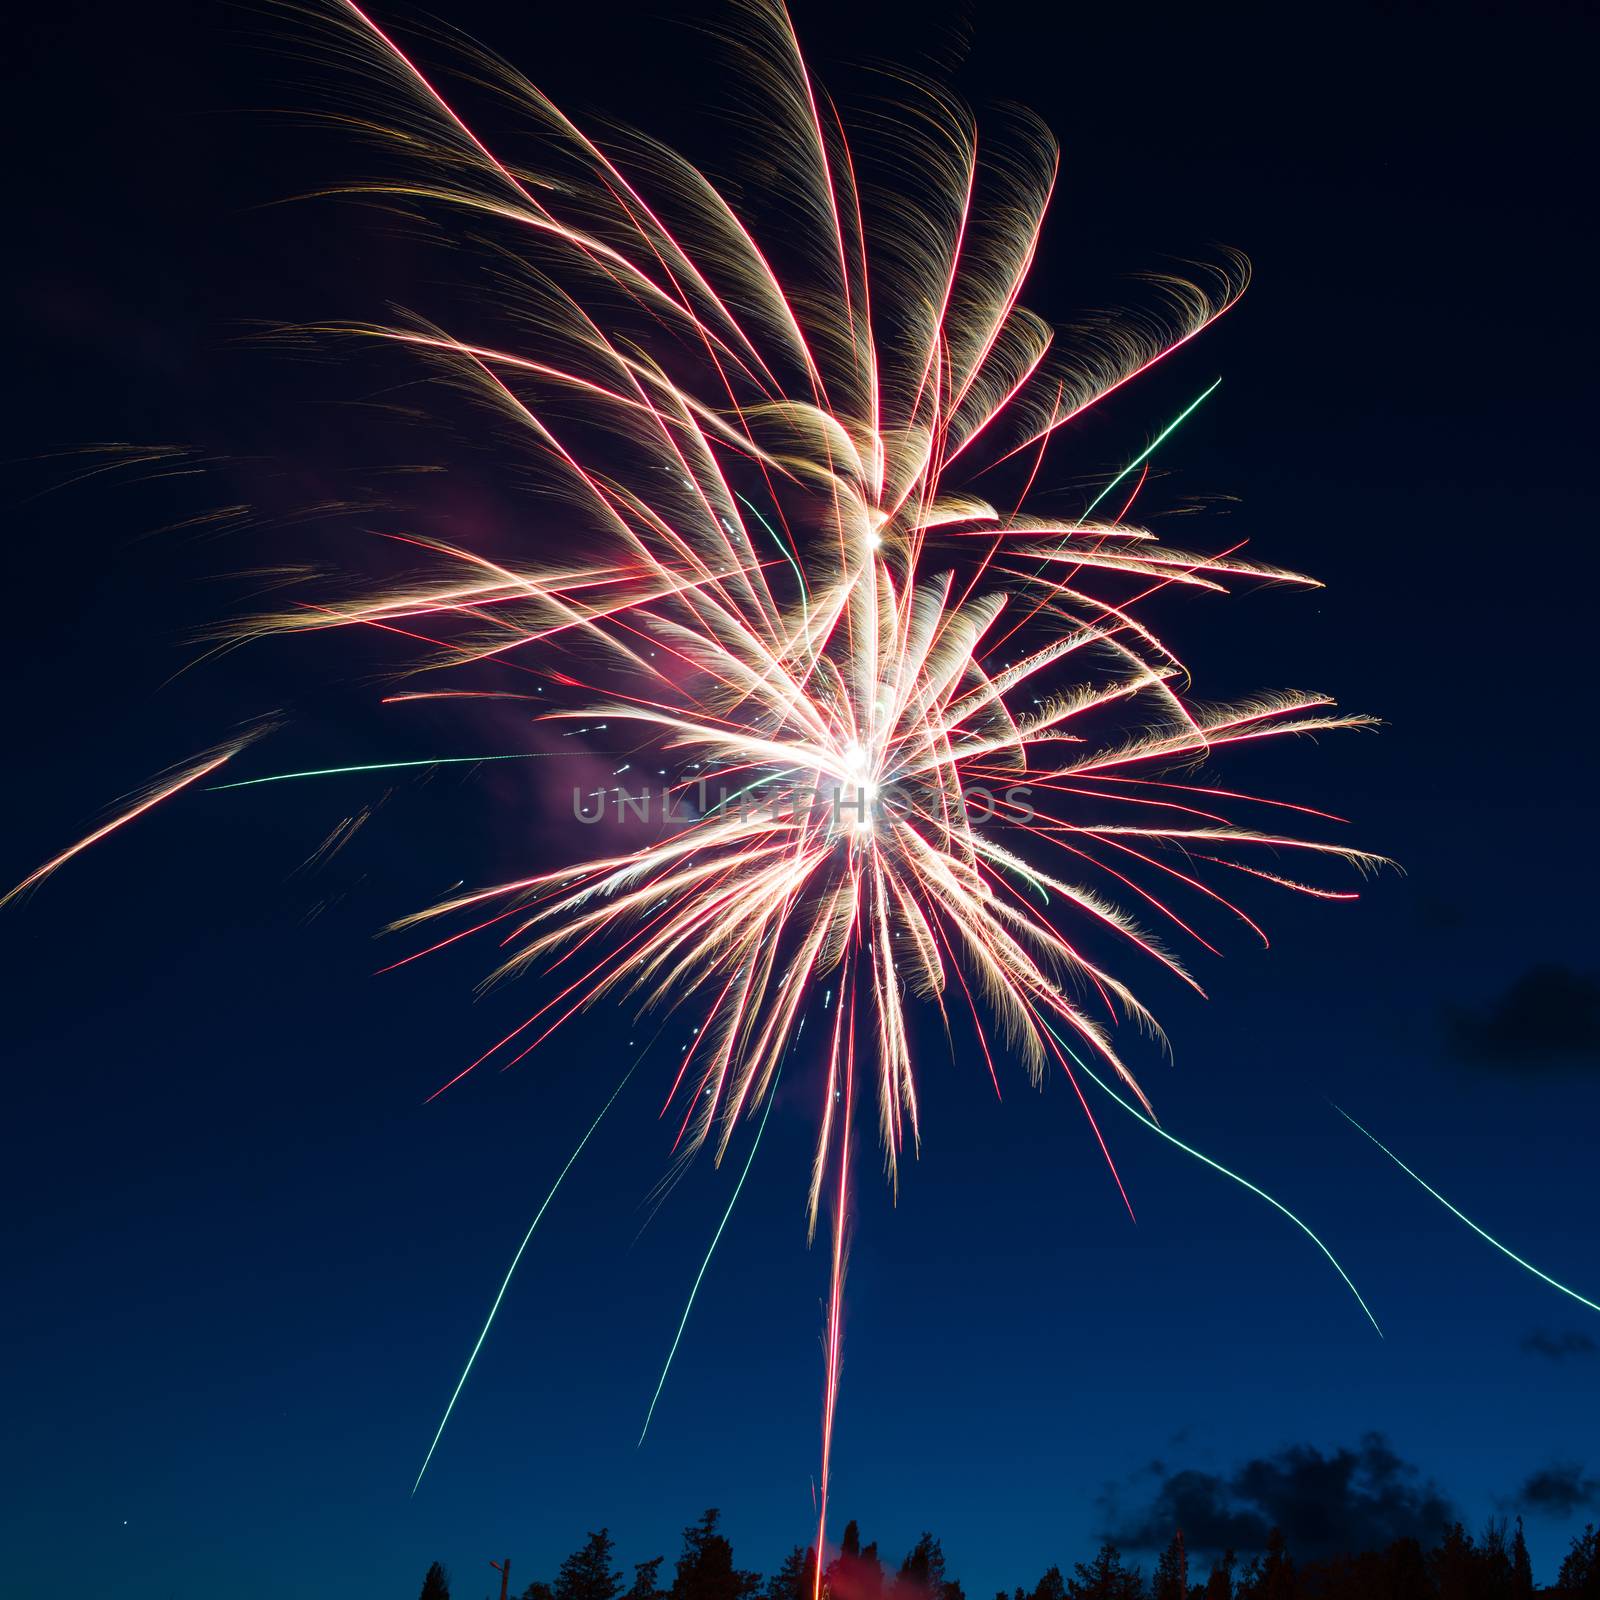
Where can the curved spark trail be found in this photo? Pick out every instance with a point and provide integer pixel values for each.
(1217, 1166)
(466, 1371)
(162, 789)
(380, 766)
(694, 1288)
(1455, 1211)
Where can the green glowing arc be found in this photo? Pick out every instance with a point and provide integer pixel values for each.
(1482, 1233)
(1217, 1166)
(379, 766)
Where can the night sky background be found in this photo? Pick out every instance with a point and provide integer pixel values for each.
(243, 1263)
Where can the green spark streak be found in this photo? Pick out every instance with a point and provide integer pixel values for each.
(1526, 1265)
(1150, 449)
(1028, 878)
(684, 1321)
(379, 766)
(723, 804)
(1217, 1166)
(804, 591)
(489, 1323)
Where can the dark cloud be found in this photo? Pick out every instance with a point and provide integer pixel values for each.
(1559, 1346)
(1362, 1499)
(1558, 1490)
(1550, 1016)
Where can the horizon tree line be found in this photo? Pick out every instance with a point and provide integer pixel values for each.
(1494, 1566)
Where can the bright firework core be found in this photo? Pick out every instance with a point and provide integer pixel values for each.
(860, 794)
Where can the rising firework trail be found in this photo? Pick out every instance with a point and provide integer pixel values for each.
(923, 739)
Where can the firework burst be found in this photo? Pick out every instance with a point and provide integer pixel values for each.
(935, 734)
(925, 747)
(938, 738)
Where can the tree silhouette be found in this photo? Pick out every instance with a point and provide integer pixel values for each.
(856, 1573)
(1105, 1578)
(1271, 1575)
(1406, 1569)
(1219, 1586)
(647, 1581)
(1495, 1566)
(1453, 1565)
(1495, 1571)
(795, 1578)
(587, 1573)
(868, 1574)
(705, 1570)
(922, 1574)
(1579, 1578)
(1172, 1572)
(1397, 1573)
(1521, 1567)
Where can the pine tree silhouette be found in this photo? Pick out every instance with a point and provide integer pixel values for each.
(436, 1586)
(587, 1573)
(1404, 1571)
(1172, 1572)
(1271, 1576)
(856, 1573)
(647, 1581)
(794, 1579)
(705, 1570)
(922, 1574)
(1105, 1578)
(1453, 1565)
(869, 1574)
(1579, 1578)
(1521, 1567)
(1495, 1572)
(1219, 1586)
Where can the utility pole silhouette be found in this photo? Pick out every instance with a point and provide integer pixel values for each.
(505, 1575)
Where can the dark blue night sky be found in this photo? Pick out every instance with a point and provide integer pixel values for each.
(244, 1262)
